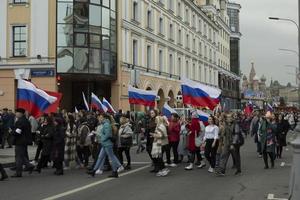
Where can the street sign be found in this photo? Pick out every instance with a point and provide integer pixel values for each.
(42, 73)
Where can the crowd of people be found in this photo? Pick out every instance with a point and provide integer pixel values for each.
(97, 141)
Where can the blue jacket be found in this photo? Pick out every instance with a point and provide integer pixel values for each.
(106, 134)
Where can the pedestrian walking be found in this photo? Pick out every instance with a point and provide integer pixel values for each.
(173, 137)
(150, 129)
(125, 137)
(70, 144)
(182, 146)
(231, 142)
(160, 139)
(47, 132)
(106, 150)
(211, 143)
(267, 134)
(22, 135)
(58, 149)
(282, 130)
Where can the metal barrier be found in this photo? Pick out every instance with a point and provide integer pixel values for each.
(294, 193)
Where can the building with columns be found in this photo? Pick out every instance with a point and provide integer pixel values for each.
(165, 40)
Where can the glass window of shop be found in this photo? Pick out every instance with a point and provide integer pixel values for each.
(86, 37)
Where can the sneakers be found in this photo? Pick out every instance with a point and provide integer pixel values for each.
(221, 174)
(211, 170)
(163, 172)
(167, 165)
(99, 172)
(173, 165)
(120, 169)
(33, 162)
(189, 167)
(202, 165)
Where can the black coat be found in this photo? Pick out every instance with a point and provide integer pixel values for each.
(47, 135)
(58, 150)
(22, 132)
(282, 130)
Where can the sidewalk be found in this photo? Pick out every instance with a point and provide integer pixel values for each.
(7, 156)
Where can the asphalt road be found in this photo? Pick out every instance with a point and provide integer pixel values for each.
(254, 183)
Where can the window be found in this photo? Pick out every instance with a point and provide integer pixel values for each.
(171, 32)
(179, 66)
(200, 68)
(187, 69)
(160, 60)
(200, 48)
(171, 64)
(19, 1)
(187, 15)
(149, 19)
(200, 26)
(161, 25)
(194, 71)
(19, 41)
(194, 44)
(149, 56)
(194, 21)
(179, 37)
(179, 9)
(210, 78)
(210, 55)
(205, 74)
(187, 41)
(135, 52)
(205, 51)
(205, 30)
(135, 11)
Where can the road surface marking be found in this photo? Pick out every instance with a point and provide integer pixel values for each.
(272, 197)
(92, 184)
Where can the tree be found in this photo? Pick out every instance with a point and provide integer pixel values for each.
(281, 101)
(289, 84)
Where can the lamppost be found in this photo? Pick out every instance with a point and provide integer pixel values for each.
(292, 21)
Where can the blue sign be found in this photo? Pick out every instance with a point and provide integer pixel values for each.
(42, 72)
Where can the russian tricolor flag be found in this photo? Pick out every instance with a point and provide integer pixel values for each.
(203, 116)
(97, 104)
(109, 107)
(167, 110)
(33, 99)
(141, 97)
(199, 95)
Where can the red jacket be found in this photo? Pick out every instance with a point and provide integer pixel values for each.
(174, 131)
(194, 127)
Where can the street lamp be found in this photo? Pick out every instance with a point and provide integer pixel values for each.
(292, 21)
(290, 50)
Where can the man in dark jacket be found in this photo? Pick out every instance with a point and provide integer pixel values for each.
(3, 173)
(22, 137)
(8, 122)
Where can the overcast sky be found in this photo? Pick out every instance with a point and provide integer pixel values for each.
(263, 37)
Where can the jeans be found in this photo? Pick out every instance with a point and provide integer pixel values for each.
(174, 146)
(38, 150)
(6, 137)
(210, 152)
(127, 153)
(258, 147)
(101, 159)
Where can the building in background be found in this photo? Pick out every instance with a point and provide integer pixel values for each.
(163, 40)
(228, 79)
(254, 88)
(27, 49)
(86, 54)
(233, 10)
(82, 58)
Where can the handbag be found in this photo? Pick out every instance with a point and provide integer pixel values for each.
(126, 141)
